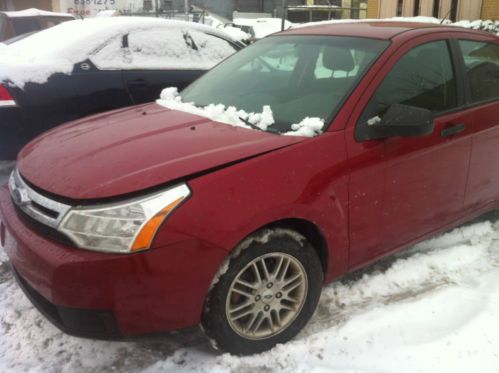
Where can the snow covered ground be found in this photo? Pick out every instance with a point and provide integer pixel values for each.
(433, 308)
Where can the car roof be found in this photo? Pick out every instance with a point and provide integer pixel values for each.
(370, 29)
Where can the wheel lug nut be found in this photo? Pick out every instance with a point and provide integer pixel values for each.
(257, 298)
(269, 285)
(278, 295)
(266, 308)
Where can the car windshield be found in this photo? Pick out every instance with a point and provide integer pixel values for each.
(298, 77)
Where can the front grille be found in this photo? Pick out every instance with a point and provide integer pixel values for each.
(39, 212)
(42, 229)
(42, 209)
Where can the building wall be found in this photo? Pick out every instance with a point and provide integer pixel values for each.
(467, 9)
(373, 8)
(25, 4)
(490, 9)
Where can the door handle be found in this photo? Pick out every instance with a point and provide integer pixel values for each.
(453, 130)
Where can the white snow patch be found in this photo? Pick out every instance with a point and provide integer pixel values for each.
(235, 33)
(108, 13)
(308, 127)
(374, 120)
(263, 27)
(33, 12)
(171, 99)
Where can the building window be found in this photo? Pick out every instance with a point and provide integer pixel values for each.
(400, 7)
(147, 5)
(436, 8)
(417, 7)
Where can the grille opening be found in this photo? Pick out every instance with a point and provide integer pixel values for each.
(45, 211)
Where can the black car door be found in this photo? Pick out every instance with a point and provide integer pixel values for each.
(169, 57)
(95, 85)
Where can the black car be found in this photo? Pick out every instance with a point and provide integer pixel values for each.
(84, 67)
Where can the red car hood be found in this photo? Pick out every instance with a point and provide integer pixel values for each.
(133, 149)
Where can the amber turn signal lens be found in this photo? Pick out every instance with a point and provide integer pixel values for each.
(147, 233)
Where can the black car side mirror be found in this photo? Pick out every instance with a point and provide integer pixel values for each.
(398, 121)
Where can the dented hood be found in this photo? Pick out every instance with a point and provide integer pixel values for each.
(133, 149)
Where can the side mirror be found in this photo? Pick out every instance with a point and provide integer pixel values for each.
(398, 121)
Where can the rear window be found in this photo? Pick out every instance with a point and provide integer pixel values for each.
(482, 67)
(25, 25)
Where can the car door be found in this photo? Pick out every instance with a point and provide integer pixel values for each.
(95, 85)
(404, 188)
(170, 57)
(481, 60)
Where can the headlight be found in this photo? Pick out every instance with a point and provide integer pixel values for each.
(122, 227)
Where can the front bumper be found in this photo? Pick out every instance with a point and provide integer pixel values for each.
(105, 295)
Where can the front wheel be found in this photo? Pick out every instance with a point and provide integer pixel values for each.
(264, 294)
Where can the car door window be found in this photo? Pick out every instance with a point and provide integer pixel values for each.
(482, 66)
(111, 56)
(176, 49)
(211, 47)
(424, 78)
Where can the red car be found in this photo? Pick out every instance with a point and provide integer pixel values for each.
(371, 136)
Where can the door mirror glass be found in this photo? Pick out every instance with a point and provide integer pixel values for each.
(398, 121)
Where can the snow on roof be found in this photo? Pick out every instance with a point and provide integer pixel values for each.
(57, 49)
(33, 12)
(234, 32)
(108, 13)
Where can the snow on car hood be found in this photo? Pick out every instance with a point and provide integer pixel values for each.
(308, 127)
(137, 148)
(57, 49)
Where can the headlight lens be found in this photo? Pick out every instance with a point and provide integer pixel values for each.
(124, 227)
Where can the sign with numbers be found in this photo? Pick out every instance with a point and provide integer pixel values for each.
(90, 8)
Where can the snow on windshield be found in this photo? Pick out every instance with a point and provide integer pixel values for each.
(170, 98)
(59, 48)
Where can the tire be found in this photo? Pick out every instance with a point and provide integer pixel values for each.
(249, 311)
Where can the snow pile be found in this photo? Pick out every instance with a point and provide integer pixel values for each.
(308, 127)
(33, 12)
(59, 48)
(235, 33)
(108, 13)
(430, 309)
(263, 27)
(483, 25)
(489, 26)
(171, 99)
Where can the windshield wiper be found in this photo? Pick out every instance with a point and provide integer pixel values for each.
(255, 127)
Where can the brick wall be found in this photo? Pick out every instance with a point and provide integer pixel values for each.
(372, 8)
(490, 9)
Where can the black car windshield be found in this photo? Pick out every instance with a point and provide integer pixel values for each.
(298, 77)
